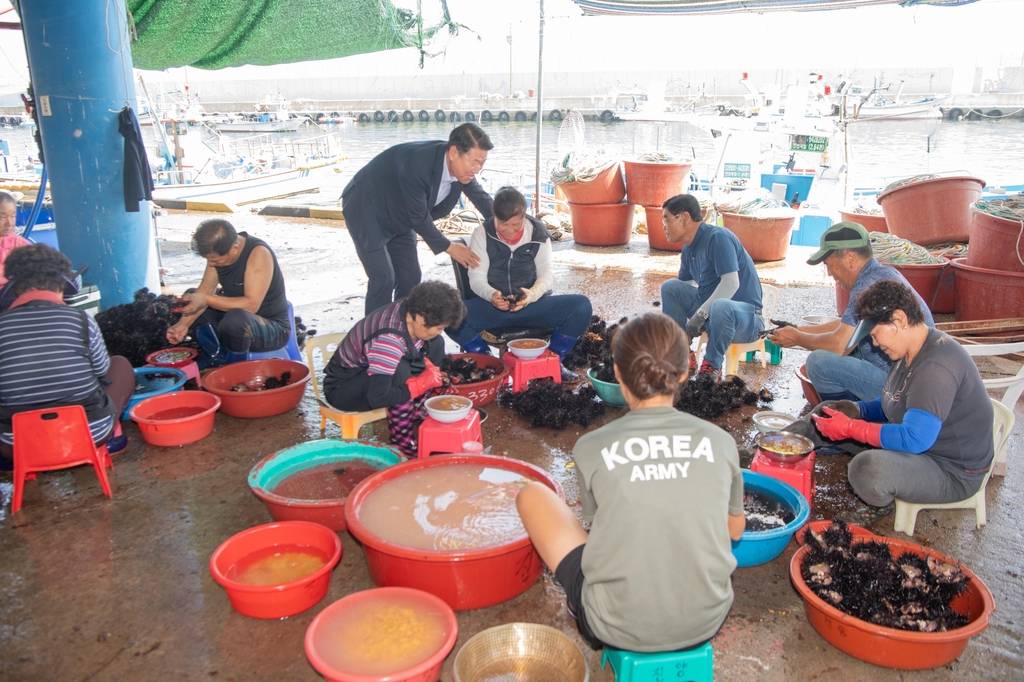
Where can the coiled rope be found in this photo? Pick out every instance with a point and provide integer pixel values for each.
(1010, 208)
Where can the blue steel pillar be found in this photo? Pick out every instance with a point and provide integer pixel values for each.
(80, 58)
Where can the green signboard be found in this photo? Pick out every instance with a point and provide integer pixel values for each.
(737, 170)
(807, 143)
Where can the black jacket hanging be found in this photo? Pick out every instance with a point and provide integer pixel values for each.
(138, 179)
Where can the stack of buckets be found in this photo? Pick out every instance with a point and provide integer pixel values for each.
(600, 218)
(989, 282)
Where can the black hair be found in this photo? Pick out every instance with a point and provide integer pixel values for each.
(469, 136)
(37, 266)
(651, 354)
(215, 235)
(437, 302)
(508, 203)
(884, 297)
(7, 198)
(684, 203)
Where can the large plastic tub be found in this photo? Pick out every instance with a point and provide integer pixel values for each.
(983, 294)
(601, 224)
(270, 471)
(760, 547)
(159, 421)
(932, 211)
(656, 231)
(464, 579)
(651, 184)
(924, 278)
(996, 243)
(482, 392)
(888, 647)
(606, 188)
(871, 223)
(254, 404)
(287, 599)
(765, 239)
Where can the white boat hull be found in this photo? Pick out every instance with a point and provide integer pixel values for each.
(926, 108)
(285, 125)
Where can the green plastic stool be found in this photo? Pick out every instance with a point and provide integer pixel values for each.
(695, 665)
(774, 353)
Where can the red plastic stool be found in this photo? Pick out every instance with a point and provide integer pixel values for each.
(188, 365)
(799, 475)
(435, 436)
(547, 366)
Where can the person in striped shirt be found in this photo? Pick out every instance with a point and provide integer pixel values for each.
(390, 358)
(52, 355)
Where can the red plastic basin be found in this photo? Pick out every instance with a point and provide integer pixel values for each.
(607, 187)
(932, 211)
(254, 404)
(270, 471)
(482, 392)
(996, 243)
(656, 231)
(426, 671)
(871, 223)
(889, 647)
(652, 184)
(601, 224)
(464, 579)
(276, 601)
(159, 426)
(983, 294)
(765, 239)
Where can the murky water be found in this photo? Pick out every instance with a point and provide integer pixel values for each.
(765, 512)
(452, 507)
(325, 481)
(380, 636)
(276, 565)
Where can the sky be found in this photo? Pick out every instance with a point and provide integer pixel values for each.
(985, 34)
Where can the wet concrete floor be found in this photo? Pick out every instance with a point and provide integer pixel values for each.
(93, 589)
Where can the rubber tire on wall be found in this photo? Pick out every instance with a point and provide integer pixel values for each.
(392, 116)
(521, 116)
(503, 116)
(533, 116)
(318, 117)
(486, 116)
(607, 116)
(378, 116)
(973, 115)
(995, 113)
(555, 115)
(439, 115)
(455, 116)
(956, 114)
(408, 116)
(424, 115)
(470, 116)
(335, 115)
(364, 117)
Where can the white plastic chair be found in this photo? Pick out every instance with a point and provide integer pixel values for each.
(1014, 386)
(350, 422)
(769, 300)
(906, 512)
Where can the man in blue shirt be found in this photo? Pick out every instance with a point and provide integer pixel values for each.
(847, 255)
(717, 290)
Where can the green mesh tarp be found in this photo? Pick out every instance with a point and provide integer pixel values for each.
(214, 34)
(643, 7)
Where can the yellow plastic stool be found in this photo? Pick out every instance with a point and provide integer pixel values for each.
(350, 422)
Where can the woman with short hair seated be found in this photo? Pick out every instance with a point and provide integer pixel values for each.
(663, 491)
(52, 355)
(391, 359)
(928, 437)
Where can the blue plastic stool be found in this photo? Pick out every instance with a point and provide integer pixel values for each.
(695, 665)
(290, 351)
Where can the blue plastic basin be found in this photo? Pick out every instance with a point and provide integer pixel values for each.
(756, 548)
(271, 470)
(607, 391)
(151, 381)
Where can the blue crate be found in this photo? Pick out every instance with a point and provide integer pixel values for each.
(796, 183)
(810, 229)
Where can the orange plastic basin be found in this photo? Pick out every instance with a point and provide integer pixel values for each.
(254, 404)
(607, 187)
(176, 418)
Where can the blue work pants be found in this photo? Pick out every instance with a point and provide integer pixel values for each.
(728, 321)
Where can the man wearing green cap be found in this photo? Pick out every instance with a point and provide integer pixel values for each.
(838, 375)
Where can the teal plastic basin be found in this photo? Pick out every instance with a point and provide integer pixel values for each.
(606, 391)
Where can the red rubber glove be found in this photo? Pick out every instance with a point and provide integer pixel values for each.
(429, 378)
(840, 427)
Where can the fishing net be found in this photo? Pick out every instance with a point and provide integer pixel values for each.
(892, 250)
(572, 134)
(907, 181)
(215, 34)
(581, 166)
(1011, 208)
(755, 202)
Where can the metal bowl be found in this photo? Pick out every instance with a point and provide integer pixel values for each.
(784, 447)
(520, 651)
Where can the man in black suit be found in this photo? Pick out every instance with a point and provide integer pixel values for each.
(400, 194)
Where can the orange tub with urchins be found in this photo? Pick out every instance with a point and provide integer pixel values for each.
(252, 404)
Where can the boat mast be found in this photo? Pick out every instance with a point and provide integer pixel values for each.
(540, 109)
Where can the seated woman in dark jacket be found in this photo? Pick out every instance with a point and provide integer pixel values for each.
(52, 355)
(390, 359)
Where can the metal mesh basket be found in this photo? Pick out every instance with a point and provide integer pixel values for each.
(520, 652)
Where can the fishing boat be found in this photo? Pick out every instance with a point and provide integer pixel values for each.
(876, 104)
(267, 122)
